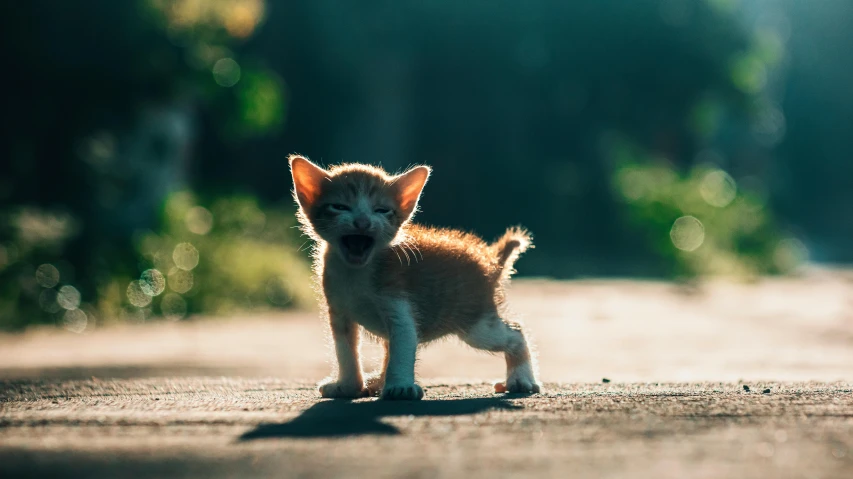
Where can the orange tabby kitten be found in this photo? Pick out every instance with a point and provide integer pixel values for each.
(404, 283)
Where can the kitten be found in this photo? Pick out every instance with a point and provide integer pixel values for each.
(403, 283)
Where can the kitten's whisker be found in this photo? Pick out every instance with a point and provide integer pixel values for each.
(398, 256)
(303, 245)
(409, 247)
(415, 245)
(408, 260)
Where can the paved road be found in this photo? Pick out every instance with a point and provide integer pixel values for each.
(265, 428)
(235, 398)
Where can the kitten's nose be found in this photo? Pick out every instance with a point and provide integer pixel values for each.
(361, 222)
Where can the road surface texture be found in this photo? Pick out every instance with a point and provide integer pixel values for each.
(724, 380)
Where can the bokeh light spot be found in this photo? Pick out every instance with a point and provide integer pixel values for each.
(239, 18)
(75, 321)
(199, 220)
(137, 296)
(47, 301)
(152, 282)
(687, 233)
(173, 306)
(180, 281)
(770, 46)
(718, 188)
(185, 256)
(749, 73)
(47, 275)
(226, 72)
(631, 183)
(68, 297)
(243, 17)
(278, 291)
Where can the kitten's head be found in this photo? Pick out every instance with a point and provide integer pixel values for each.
(357, 209)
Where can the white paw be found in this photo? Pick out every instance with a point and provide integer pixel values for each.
(521, 380)
(402, 392)
(338, 389)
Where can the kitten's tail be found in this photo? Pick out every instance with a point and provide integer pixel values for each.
(508, 247)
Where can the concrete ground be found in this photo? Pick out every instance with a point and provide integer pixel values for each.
(236, 397)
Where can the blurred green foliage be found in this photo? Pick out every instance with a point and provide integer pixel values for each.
(144, 135)
(227, 257)
(84, 245)
(701, 222)
(248, 94)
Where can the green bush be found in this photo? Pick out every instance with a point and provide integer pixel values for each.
(218, 259)
(700, 222)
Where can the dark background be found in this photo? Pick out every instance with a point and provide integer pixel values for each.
(529, 112)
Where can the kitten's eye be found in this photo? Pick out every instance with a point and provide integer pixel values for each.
(338, 208)
(382, 211)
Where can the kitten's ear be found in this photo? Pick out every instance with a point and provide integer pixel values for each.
(409, 186)
(308, 179)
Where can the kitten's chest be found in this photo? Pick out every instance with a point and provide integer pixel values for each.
(355, 298)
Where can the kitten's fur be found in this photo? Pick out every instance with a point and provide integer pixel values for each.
(404, 283)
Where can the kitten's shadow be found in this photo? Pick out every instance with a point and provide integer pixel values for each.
(347, 418)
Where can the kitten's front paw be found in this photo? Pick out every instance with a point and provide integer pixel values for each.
(518, 382)
(402, 392)
(342, 390)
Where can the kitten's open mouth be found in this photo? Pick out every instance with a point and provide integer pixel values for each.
(357, 248)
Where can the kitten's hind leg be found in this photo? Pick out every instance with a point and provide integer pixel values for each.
(494, 334)
(375, 381)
